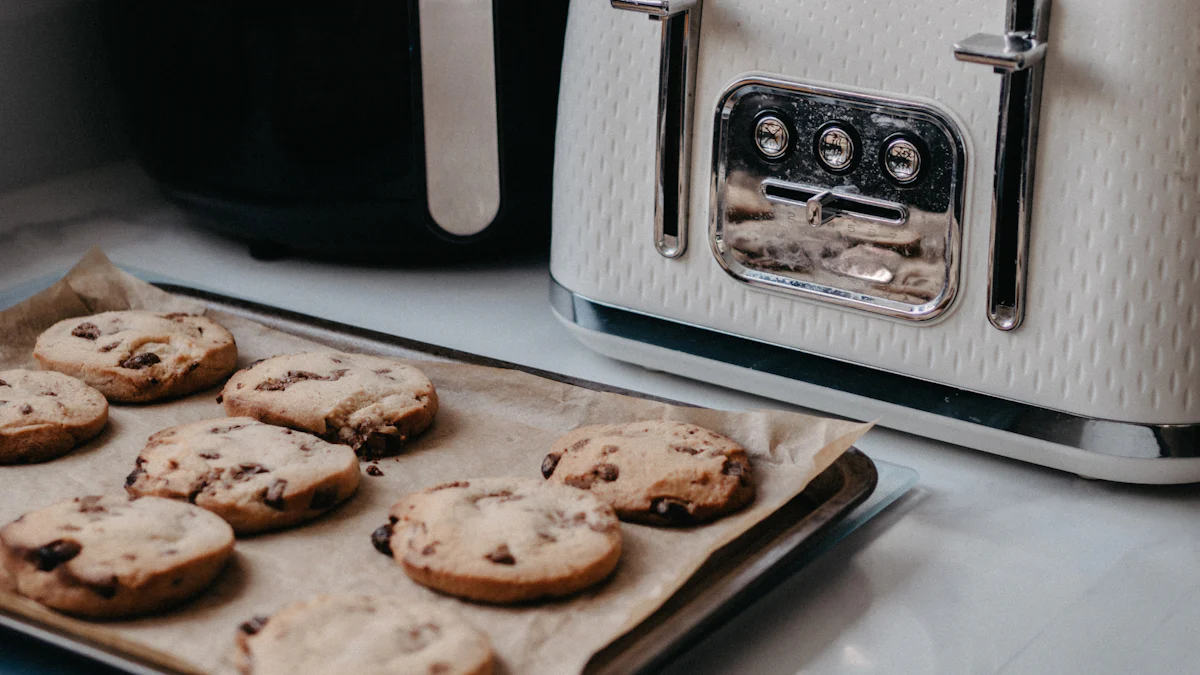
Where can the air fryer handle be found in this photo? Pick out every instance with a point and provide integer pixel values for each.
(676, 99)
(458, 92)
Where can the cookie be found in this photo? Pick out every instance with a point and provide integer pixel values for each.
(112, 557)
(45, 414)
(255, 476)
(662, 473)
(371, 403)
(503, 539)
(134, 356)
(364, 635)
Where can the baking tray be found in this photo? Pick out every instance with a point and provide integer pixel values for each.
(729, 581)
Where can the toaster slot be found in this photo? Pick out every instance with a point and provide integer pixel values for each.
(1019, 56)
(680, 29)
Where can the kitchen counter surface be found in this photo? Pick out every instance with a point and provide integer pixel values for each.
(987, 566)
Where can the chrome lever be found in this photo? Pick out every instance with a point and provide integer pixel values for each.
(1009, 53)
(656, 8)
(1019, 56)
(677, 92)
(815, 209)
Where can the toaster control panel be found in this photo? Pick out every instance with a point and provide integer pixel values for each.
(839, 197)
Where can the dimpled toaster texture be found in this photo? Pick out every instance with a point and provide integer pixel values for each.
(135, 356)
(362, 635)
(111, 557)
(371, 403)
(666, 473)
(44, 414)
(503, 539)
(256, 476)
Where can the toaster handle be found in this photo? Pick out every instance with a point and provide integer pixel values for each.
(680, 21)
(1019, 56)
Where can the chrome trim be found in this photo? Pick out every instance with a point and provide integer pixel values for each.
(673, 147)
(1019, 56)
(1106, 437)
(859, 291)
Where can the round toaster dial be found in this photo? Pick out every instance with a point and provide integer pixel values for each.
(902, 160)
(835, 148)
(771, 137)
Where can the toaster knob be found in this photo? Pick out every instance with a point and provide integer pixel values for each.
(902, 160)
(836, 147)
(771, 137)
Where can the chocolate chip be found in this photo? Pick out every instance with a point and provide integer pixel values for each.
(501, 556)
(430, 548)
(581, 482)
(175, 316)
(373, 470)
(192, 366)
(139, 361)
(55, 553)
(607, 472)
(455, 484)
(210, 455)
(672, 511)
(86, 330)
(90, 505)
(294, 376)
(735, 468)
(608, 450)
(550, 463)
(107, 590)
(4, 384)
(220, 398)
(26, 409)
(578, 445)
(246, 470)
(323, 498)
(686, 450)
(383, 371)
(110, 346)
(381, 539)
(253, 626)
(132, 478)
(202, 483)
(274, 495)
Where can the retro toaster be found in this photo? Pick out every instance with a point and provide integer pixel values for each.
(975, 221)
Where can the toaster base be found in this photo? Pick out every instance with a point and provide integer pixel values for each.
(1094, 448)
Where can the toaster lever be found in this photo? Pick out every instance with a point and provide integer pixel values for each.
(816, 208)
(680, 21)
(1008, 53)
(1019, 57)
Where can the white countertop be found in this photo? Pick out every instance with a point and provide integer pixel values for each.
(987, 566)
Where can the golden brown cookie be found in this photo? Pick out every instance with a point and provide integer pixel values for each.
(663, 473)
(503, 539)
(362, 635)
(110, 557)
(371, 403)
(135, 356)
(44, 414)
(256, 476)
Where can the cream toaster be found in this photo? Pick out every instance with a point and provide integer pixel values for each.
(974, 221)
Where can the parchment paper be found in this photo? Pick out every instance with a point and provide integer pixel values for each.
(491, 422)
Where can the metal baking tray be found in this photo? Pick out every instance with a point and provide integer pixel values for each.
(729, 581)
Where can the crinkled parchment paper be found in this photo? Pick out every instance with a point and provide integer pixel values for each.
(492, 422)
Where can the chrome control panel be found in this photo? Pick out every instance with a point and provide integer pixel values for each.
(838, 196)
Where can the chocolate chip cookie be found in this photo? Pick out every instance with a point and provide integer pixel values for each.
(44, 414)
(134, 356)
(112, 557)
(371, 403)
(364, 635)
(503, 539)
(256, 476)
(662, 473)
